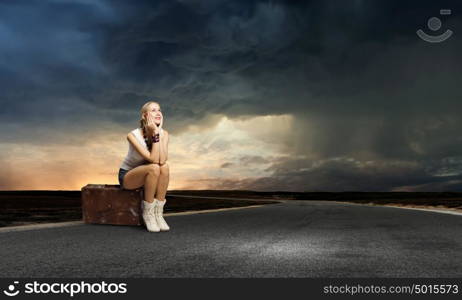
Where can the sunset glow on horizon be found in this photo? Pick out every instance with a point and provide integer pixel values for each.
(199, 158)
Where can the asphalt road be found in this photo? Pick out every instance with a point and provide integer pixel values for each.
(291, 239)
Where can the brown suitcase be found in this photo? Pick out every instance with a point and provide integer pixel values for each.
(109, 204)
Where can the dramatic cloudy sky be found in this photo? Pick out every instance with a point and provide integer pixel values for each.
(320, 95)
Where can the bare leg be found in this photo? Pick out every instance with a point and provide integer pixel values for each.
(164, 178)
(160, 196)
(146, 175)
(151, 183)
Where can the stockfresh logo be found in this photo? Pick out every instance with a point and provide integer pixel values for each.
(11, 290)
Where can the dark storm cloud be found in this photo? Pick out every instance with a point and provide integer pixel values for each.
(341, 175)
(354, 74)
(49, 61)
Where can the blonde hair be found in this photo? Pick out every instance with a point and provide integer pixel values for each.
(144, 108)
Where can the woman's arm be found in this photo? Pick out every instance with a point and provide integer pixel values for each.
(152, 157)
(152, 128)
(155, 153)
(163, 147)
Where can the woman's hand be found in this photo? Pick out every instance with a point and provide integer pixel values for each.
(161, 124)
(151, 125)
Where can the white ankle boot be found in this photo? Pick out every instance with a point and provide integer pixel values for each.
(159, 210)
(149, 217)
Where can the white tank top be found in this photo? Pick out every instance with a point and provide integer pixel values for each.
(133, 158)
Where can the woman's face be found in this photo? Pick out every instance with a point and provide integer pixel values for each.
(155, 112)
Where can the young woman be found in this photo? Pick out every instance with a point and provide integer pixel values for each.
(146, 165)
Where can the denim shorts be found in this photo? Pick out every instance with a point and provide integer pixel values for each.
(122, 173)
